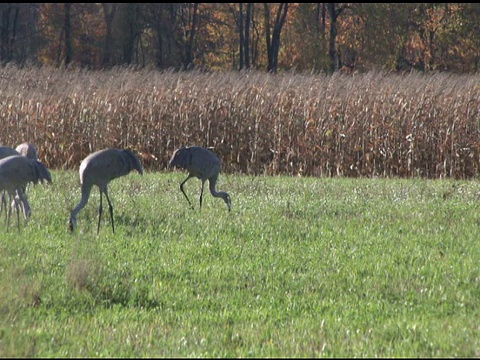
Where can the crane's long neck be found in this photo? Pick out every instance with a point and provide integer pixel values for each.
(222, 194)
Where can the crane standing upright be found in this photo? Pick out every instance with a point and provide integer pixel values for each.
(99, 168)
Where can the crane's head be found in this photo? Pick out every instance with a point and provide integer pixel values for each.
(228, 201)
(134, 161)
(41, 172)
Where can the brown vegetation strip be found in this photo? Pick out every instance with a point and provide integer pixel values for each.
(372, 124)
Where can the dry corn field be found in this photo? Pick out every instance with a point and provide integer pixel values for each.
(373, 124)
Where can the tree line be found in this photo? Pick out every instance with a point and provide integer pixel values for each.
(311, 37)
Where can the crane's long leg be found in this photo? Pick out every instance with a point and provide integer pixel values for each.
(3, 206)
(100, 210)
(9, 213)
(18, 213)
(201, 194)
(11, 196)
(22, 198)
(110, 208)
(181, 188)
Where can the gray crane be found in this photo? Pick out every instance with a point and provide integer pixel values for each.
(16, 171)
(28, 150)
(203, 164)
(4, 152)
(99, 168)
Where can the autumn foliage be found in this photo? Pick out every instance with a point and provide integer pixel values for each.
(305, 37)
(372, 124)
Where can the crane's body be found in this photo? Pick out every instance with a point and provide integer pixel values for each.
(7, 151)
(203, 164)
(99, 168)
(4, 152)
(16, 171)
(28, 150)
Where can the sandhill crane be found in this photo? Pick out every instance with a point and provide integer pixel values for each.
(25, 149)
(28, 150)
(4, 152)
(203, 164)
(16, 172)
(99, 168)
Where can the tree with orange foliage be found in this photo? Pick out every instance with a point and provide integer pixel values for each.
(272, 34)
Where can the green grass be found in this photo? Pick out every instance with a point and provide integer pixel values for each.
(301, 267)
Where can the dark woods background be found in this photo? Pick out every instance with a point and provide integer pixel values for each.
(267, 36)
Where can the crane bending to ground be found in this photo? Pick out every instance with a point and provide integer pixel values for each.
(203, 164)
(4, 152)
(30, 151)
(99, 168)
(16, 172)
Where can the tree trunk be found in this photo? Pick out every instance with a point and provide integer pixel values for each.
(128, 17)
(246, 44)
(8, 30)
(109, 10)
(273, 41)
(189, 46)
(334, 13)
(244, 23)
(68, 34)
(241, 35)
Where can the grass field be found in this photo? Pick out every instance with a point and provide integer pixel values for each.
(301, 267)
